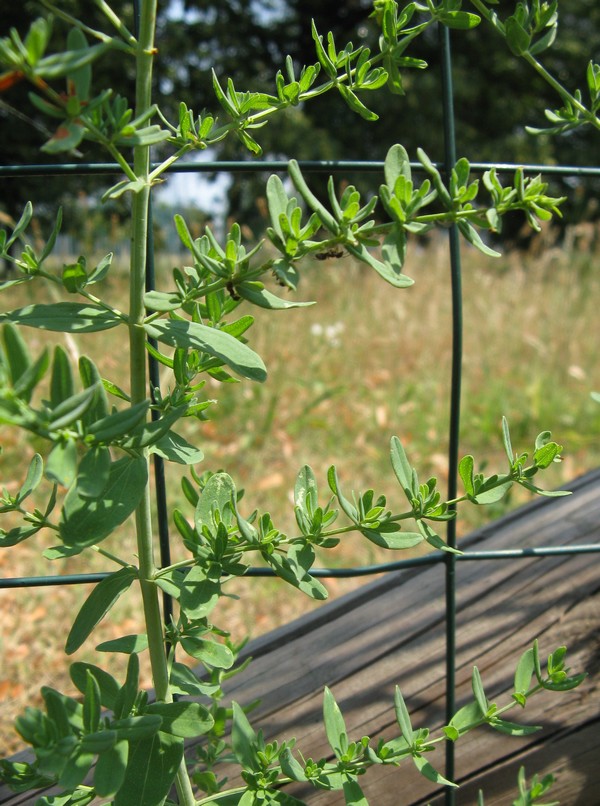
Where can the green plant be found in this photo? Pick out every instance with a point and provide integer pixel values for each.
(98, 451)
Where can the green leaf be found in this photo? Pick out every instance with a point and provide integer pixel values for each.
(353, 794)
(33, 477)
(210, 653)
(118, 424)
(62, 383)
(109, 688)
(184, 681)
(293, 569)
(74, 276)
(65, 317)
(256, 293)
(460, 20)
(517, 38)
(85, 521)
(465, 470)
(128, 644)
(97, 605)
(215, 342)
(91, 704)
(175, 448)
(478, 691)
(429, 772)
(218, 495)
(162, 300)
(72, 409)
(494, 495)
(524, 673)
(151, 770)
(61, 465)
(243, 740)
(467, 716)
(355, 104)
(393, 540)
(75, 771)
(16, 352)
(200, 592)
(93, 472)
(335, 727)
(110, 769)
(403, 717)
(184, 719)
(512, 728)
(402, 468)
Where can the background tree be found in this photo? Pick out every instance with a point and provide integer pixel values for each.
(241, 38)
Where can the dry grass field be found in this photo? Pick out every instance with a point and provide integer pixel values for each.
(365, 363)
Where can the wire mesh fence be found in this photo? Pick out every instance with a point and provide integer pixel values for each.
(42, 170)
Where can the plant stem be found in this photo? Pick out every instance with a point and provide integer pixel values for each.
(137, 339)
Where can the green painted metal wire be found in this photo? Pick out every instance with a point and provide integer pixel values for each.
(8, 172)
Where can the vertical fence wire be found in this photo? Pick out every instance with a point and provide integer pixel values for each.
(449, 560)
(455, 394)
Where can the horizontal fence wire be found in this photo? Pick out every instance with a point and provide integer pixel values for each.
(280, 166)
(8, 172)
(335, 166)
(434, 558)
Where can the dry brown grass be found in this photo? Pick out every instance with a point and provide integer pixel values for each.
(363, 364)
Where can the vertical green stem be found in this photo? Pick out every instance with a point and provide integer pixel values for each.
(138, 378)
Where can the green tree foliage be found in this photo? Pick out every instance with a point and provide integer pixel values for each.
(248, 40)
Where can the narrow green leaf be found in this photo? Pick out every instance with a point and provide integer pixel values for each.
(91, 704)
(257, 294)
(465, 470)
(243, 740)
(199, 592)
(184, 719)
(524, 672)
(33, 477)
(128, 644)
(61, 465)
(429, 772)
(353, 794)
(506, 441)
(396, 541)
(62, 383)
(16, 352)
(110, 769)
(174, 448)
(74, 772)
(108, 686)
(66, 317)
(478, 691)
(93, 472)
(494, 495)
(151, 770)
(217, 495)
(97, 605)
(512, 728)
(335, 727)
(72, 409)
(402, 468)
(118, 424)
(215, 342)
(403, 717)
(85, 521)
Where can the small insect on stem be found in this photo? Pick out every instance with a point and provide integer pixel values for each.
(231, 288)
(332, 251)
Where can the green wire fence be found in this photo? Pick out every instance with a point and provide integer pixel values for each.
(330, 166)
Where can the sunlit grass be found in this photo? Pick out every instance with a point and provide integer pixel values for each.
(365, 363)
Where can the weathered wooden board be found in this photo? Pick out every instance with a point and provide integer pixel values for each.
(392, 632)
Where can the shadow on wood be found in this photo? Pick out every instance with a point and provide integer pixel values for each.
(392, 632)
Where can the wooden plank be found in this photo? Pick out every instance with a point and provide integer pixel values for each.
(391, 631)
